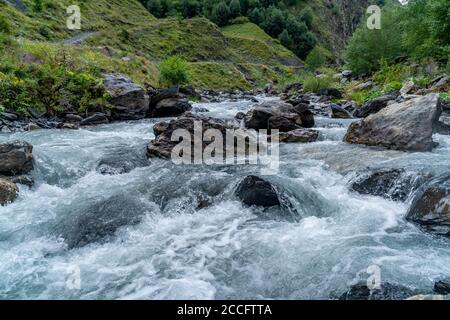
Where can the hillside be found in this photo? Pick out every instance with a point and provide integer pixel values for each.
(217, 60)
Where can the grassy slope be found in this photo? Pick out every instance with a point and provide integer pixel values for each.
(241, 56)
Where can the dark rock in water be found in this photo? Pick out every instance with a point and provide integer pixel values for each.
(330, 92)
(374, 106)
(95, 119)
(24, 180)
(258, 118)
(129, 100)
(16, 158)
(171, 107)
(99, 222)
(306, 115)
(8, 191)
(406, 126)
(299, 136)
(70, 117)
(190, 92)
(442, 287)
(159, 128)
(200, 110)
(121, 160)
(442, 128)
(340, 113)
(283, 123)
(430, 208)
(8, 116)
(394, 184)
(254, 191)
(239, 116)
(388, 291)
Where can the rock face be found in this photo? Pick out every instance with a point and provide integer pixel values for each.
(430, 208)
(129, 100)
(8, 191)
(374, 106)
(16, 158)
(254, 191)
(388, 291)
(394, 184)
(299, 136)
(162, 146)
(100, 221)
(168, 103)
(406, 126)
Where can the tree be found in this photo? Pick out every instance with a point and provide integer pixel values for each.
(221, 14)
(274, 22)
(257, 16)
(155, 8)
(190, 8)
(303, 39)
(235, 8)
(285, 39)
(245, 6)
(307, 16)
(316, 58)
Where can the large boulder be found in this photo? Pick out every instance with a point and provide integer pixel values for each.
(442, 286)
(387, 291)
(374, 106)
(254, 191)
(168, 103)
(129, 100)
(330, 92)
(338, 112)
(284, 122)
(430, 208)
(8, 191)
(406, 126)
(162, 146)
(16, 158)
(95, 119)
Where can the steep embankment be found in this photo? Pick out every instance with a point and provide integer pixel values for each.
(125, 33)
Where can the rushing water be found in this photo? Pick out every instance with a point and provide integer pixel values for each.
(171, 249)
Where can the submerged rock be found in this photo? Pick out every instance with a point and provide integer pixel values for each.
(406, 126)
(387, 291)
(16, 158)
(8, 191)
(254, 191)
(394, 184)
(100, 221)
(129, 100)
(430, 208)
(121, 160)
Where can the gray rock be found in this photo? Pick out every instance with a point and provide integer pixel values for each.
(430, 208)
(95, 119)
(347, 73)
(339, 113)
(284, 122)
(16, 158)
(129, 100)
(442, 286)
(406, 126)
(374, 106)
(171, 107)
(299, 136)
(8, 191)
(8, 116)
(254, 191)
(387, 291)
(330, 92)
(121, 160)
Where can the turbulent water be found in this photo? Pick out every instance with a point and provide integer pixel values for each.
(173, 246)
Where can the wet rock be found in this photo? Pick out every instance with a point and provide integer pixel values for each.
(190, 92)
(32, 126)
(69, 125)
(406, 126)
(299, 136)
(8, 191)
(95, 119)
(283, 122)
(16, 158)
(100, 221)
(121, 160)
(387, 291)
(374, 106)
(162, 146)
(408, 88)
(171, 107)
(442, 286)
(254, 191)
(70, 117)
(129, 100)
(8, 116)
(430, 208)
(442, 128)
(200, 110)
(394, 184)
(239, 116)
(339, 113)
(330, 92)
(258, 117)
(23, 179)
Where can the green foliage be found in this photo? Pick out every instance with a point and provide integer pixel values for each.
(235, 8)
(5, 26)
(173, 71)
(190, 8)
(391, 73)
(367, 48)
(37, 6)
(313, 83)
(317, 58)
(221, 14)
(445, 97)
(239, 20)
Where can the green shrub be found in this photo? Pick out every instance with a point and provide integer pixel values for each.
(37, 5)
(313, 83)
(5, 27)
(239, 20)
(391, 73)
(173, 71)
(445, 97)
